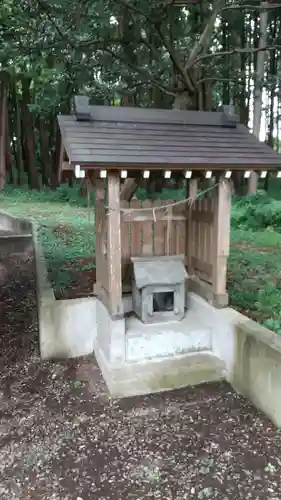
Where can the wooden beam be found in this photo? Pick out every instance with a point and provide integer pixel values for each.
(114, 253)
(181, 167)
(139, 216)
(221, 238)
(66, 166)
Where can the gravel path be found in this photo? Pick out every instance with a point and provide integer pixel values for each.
(62, 438)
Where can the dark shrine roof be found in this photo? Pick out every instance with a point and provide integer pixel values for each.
(120, 137)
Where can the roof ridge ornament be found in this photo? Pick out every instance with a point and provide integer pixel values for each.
(82, 108)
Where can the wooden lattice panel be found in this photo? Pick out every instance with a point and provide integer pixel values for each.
(202, 227)
(147, 233)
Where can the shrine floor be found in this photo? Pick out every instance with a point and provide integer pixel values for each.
(61, 437)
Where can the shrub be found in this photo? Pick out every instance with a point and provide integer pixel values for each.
(256, 212)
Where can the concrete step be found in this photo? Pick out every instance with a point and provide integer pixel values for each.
(164, 374)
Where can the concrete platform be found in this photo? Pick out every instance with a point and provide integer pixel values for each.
(159, 374)
(136, 358)
(207, 345)
(172, 338)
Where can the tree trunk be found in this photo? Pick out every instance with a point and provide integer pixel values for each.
(188, 96)
(204, 42)
(18, 144)
(273, 72)
(127, 31)
(3, 125)
(44, 151)
(8, 154)
(226, 76)
(277, 147)
(129, 188)
(261, 60)
(29, 137)
(184, 101)
(53, 125)
(57, 158)
(243, 97)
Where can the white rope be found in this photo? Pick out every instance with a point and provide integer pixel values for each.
(164, 208)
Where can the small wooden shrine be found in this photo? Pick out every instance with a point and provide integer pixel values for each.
(125, 147)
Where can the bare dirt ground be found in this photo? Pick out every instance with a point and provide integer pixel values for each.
(62, 438)
(82, 276)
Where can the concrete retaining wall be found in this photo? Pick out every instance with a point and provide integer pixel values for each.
(252, 355)
(67, 327)
(136, 359)
(257, 371)
(15, 234)
(14, 224)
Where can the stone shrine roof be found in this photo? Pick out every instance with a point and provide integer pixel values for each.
(162, 271)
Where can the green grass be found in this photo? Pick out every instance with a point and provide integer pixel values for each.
(63, 227)
(254, 267)
(254, 275)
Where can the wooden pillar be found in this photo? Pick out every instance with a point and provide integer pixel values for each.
(221, 239)
(101, 271)
(192, 193)
(60, 162)
(114, 252)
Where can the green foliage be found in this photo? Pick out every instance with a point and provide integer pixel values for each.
(65, 47)
(62, 194)
(64, 245)
(254, 267)
(259, 211)
(254, 279)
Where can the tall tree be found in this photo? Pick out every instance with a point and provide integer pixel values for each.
(3, 126)
(164, 53)
(259, 84)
